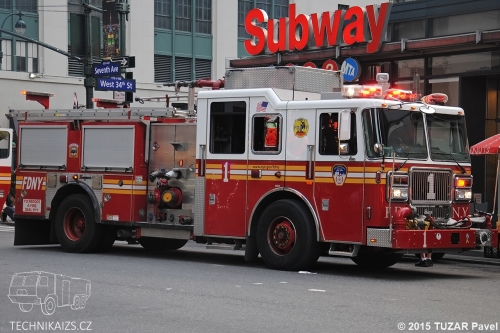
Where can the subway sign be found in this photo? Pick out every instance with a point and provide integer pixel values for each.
(364, 25)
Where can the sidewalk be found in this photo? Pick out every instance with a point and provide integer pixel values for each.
(11, 223)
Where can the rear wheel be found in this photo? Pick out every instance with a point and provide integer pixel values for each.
(154, 244)
(373, 257)
(76, 228)
(286, 236)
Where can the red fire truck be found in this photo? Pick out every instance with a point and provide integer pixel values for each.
(284, 162)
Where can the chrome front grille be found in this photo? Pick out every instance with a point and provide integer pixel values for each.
(435, 211)
(430, 186)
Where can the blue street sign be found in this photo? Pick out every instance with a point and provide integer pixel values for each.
(351, 69)
(106, 68)
(115, 83)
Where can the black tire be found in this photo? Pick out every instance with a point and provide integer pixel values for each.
(435, 256)
(154, 244)
(286, 236)
(376, 258)
(108, 238)
(76, 228)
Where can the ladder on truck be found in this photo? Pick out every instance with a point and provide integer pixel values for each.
(99, 114)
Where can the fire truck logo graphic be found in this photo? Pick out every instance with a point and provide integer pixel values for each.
(48, 290)
(73, 150)
(339, 174)
(300, 127)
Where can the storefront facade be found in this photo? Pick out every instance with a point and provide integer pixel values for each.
(454, 46)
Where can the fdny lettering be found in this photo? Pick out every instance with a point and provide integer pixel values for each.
(460, 212)
(394, 210)
(32, 183)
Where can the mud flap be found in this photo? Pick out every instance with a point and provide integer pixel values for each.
(32, 232)
(251, 250)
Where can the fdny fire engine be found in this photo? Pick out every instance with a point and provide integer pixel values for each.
(285, 162)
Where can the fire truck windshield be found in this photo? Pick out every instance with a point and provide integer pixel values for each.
(448, 138)
(400, 132)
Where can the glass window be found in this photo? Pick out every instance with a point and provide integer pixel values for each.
(407, 68)
(461, 63)
(4, 144)
(458, 24)
(266, 135)
(27, 5)
(448, 137)
(163, 14)
(448, 86)
(409, 30)
(204, 16)
(6, 4)
(400, 132)
(227, 127)
(273, 8)
(244, 6)
(183, 15)
(328, 136)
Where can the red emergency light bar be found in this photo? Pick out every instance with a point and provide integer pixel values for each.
(400, 95)
(435, 98)
(40, 97)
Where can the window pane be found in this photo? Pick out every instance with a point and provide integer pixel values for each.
(204, 16)
(244, 6)
(410, 30)
(483, 61)
(27, 5)
(163, 14)
(448, 86)
(266, 135)
(458, 24)
(227, 127)
(407, 68)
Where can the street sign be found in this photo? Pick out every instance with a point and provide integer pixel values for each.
(125, 62)
(115, 83)
(106, 68)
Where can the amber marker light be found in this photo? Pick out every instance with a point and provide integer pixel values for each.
(373, 240)
(75, 177)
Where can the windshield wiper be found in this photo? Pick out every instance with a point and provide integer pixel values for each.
(453, 158)
(407, 157)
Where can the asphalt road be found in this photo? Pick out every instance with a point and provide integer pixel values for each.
(200, 290)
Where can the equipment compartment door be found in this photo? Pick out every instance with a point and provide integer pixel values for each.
(339, 178)
(266, 162)
(226, 167)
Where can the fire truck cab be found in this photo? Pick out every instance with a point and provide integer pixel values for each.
(279, 163)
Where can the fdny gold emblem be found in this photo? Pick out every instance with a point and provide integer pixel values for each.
(300, 127)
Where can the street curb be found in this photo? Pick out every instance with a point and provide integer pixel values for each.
(483, 261)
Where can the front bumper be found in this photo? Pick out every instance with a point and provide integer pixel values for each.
(442, 239)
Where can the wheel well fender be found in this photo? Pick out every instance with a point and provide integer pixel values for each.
(275, 195)
(74, 188)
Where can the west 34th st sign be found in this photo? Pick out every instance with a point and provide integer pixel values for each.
(364, 25)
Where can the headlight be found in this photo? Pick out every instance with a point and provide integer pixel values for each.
(463, 188)
(463, 194)
(399, 193)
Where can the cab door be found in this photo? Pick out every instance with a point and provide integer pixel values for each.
(339, 178)
(266, 162)
(226, 166)
(5, 163)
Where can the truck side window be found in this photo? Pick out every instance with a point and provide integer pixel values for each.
(4, 144)
(266, 133)
(328, 134)
(227, 127)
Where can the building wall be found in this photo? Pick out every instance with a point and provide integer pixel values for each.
(53, 67)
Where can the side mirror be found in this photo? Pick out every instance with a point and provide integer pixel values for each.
(345, 125)
(378, 148)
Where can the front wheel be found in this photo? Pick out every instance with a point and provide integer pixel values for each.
(76, 228)
(286, 236)
(377, 258)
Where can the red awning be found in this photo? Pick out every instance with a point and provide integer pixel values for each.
(487, 147)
